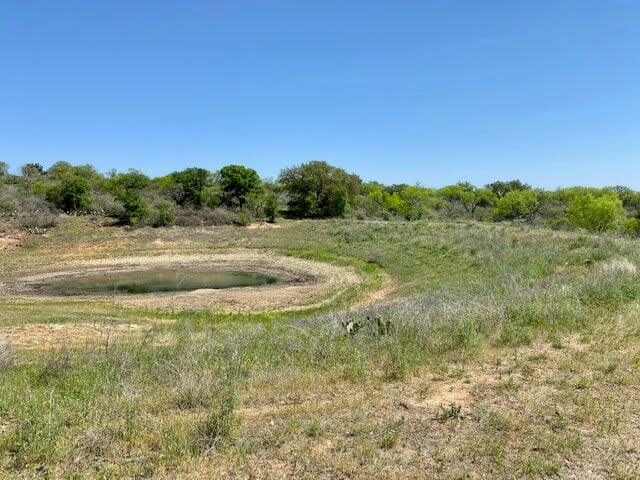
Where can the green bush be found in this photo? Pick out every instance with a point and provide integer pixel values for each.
(271, 207)
(632, 226)
(517, 205)
(596, 213)
(163, 213)
(70, 194)
(243, 219)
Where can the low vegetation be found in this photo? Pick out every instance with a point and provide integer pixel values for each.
(482, 350)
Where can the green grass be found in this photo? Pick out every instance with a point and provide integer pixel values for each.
(488, 311)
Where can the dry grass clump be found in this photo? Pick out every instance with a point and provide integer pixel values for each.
(618, 266)
(7, 356)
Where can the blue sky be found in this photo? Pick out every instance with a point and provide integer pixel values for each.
(397, 91)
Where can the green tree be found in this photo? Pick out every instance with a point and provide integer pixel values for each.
(501, 188)
(318, 190)
(596, 213)
(630, 200)
(32, 170)
(519, 204)
(372, 203)
(417, 201)
(128, 188)
(237, 183)
(187, 187)
(468, 196)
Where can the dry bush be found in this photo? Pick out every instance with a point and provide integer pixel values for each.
(618, 266)
(189, 217)
(38, 222)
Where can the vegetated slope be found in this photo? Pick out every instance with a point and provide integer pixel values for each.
(513, 352)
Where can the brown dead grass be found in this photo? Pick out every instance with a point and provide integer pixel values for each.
(44, 336)
(262, 225)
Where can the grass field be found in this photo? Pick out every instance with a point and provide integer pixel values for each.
(513, 352)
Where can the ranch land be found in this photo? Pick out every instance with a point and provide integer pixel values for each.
(480, 350)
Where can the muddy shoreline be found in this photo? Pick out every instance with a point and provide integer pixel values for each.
(303, 283)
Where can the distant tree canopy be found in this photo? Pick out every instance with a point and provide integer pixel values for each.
(31, 170)
(468, 196)
(501, 188)
(318, 190)
(236, 194)
(237, 183)
(188, 186)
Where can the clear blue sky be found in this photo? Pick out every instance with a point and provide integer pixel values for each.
(433, 92)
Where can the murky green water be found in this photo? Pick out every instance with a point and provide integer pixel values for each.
(159, 280)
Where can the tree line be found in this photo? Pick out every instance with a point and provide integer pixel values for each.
(236, 194)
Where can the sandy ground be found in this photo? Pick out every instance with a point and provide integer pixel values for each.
(305, 283)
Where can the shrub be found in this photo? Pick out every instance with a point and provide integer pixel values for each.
(38, 222)
(517, 205)
(106, 204)
(190, 217)
(136, 209)
(70, 194)
(271, 207)
(596, 213)
(632, 226)
(126, 188)
(163, 213)
(243, 219)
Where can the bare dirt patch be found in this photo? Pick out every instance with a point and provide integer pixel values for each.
(10, 242)
(65, 334)
(305, 283)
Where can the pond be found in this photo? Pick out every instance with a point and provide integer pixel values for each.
(155, 281)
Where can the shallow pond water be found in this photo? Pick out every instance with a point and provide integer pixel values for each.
(155, 281)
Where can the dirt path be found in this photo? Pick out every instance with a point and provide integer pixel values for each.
(376, 296)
